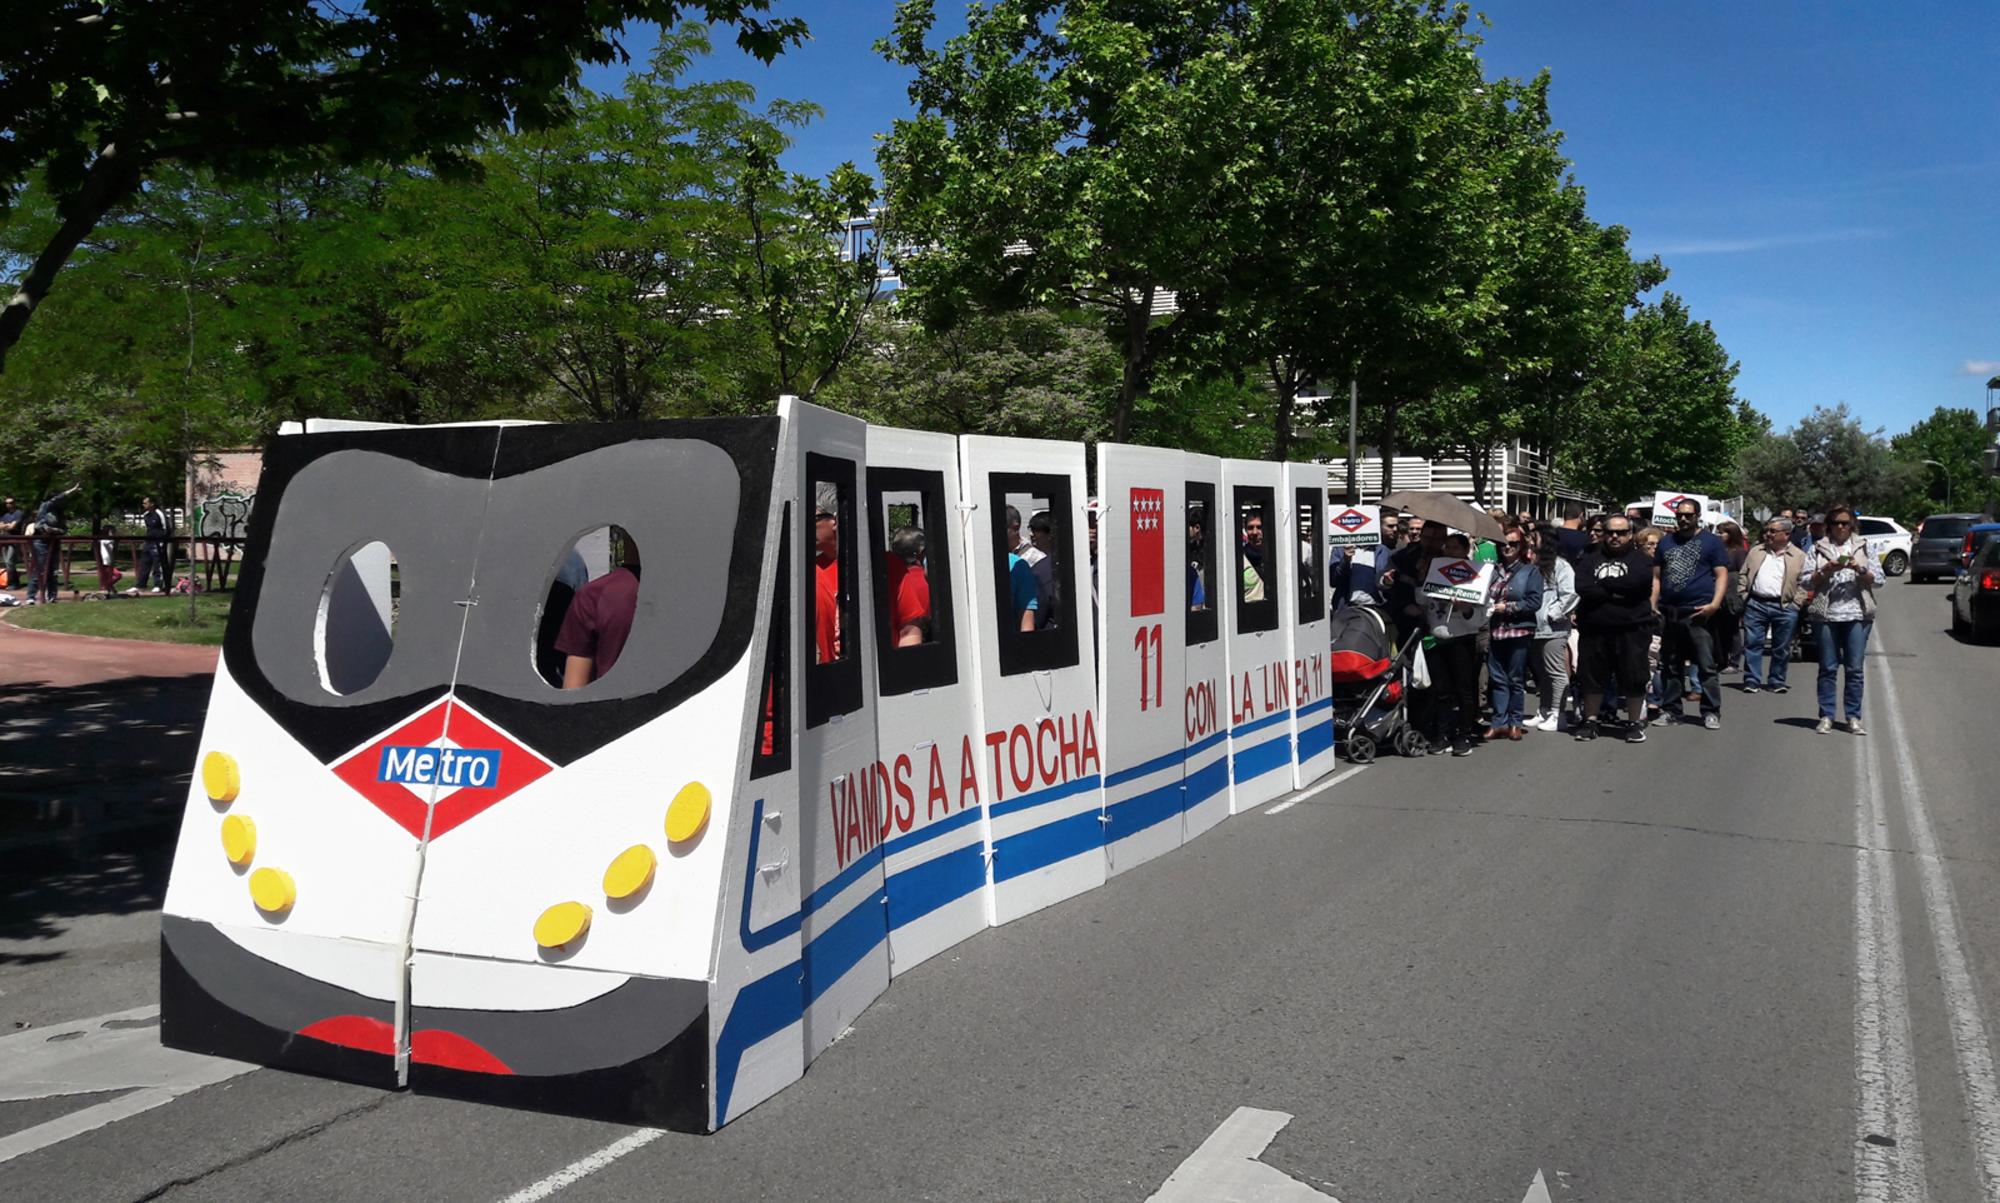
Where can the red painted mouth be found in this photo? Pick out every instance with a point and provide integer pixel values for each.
(431, 1046)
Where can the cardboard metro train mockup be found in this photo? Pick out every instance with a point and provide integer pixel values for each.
(413, 858)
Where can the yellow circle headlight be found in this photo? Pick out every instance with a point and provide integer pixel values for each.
(688, 812)
(272, 890)
(629, 872)
(239, 839)
(220, 776)
(562, 923)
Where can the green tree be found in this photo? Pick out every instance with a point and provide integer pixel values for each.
(98, 97)
(1069, 156)
(1956, 440)
(1032, 373)
(1662, 414)
(1828, 458)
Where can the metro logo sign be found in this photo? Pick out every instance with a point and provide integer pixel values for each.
(447, 763)
(1351, 520)
(1458, 572)
(1148, 560)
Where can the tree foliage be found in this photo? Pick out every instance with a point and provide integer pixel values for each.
(1828, 458)
(1956, 440)
(99, 96)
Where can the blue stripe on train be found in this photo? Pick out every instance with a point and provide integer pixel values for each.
(1315, 739)
(1258, 759)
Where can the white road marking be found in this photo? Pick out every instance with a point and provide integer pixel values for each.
(76, 1123)
(1885, 1068)
(1225, 1168)
(1314, 791)
(120, 1051)
(1968, 1018)
(577, 1171)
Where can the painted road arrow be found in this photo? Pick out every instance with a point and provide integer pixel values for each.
(1226, 1169)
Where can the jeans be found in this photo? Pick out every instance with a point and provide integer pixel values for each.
(1687, 639)
(1552, 671)
(40, 569)
(153, 564)
(1778, 621)
(1842, 645)
(1507, 670)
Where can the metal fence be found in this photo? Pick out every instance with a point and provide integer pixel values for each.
(76, 561)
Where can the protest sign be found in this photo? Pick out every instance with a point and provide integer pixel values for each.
(1458, 580)
(1355, 526)
(1665, 501)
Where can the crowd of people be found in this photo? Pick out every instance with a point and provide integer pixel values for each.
(32, 542)
(1606, 624)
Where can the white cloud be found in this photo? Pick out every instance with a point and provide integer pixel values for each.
(1734, 246)
(1980, 367)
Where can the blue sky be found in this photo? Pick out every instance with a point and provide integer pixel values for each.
(1822, 179)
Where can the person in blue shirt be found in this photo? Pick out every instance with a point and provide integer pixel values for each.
(1023, 593)
(1690, 576)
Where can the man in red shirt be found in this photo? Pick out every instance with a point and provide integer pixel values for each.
(600, 620)
(909, 588)
(826, 582)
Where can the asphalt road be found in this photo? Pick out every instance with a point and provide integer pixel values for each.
(1751, 964)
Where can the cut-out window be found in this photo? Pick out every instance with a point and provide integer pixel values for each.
(588, 609)
(833, 673)
(1034, 541)
(773, 751)
(1257, 556)
(1312, 546)
(1202, 534)
(909, 535)
(356, 630)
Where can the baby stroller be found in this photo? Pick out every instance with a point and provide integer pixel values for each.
(1371, 687)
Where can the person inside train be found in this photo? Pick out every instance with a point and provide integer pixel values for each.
(1253, 554)
(1048, 591)
(908, 586)
(1197, 584)
(599, 620)
(826, 585)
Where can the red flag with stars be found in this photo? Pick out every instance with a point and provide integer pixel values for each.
(1149, 552)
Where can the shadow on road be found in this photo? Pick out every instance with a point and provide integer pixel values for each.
(94, 780)
(1797, 721)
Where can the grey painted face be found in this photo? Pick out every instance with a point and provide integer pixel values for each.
(500, 544)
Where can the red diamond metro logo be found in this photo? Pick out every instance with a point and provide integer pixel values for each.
(474, 766)
(1458, 572)
(1350, 520)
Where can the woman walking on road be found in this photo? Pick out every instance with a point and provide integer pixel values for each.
(1843, 577)
(1513, 601)
(1728, 621)
(1550, 658)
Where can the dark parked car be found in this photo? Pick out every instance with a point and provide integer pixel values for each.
(1935, 552)
(1975, 598)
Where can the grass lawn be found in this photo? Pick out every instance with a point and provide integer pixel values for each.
(162, 619)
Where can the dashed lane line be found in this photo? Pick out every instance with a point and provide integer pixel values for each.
(576, 1171)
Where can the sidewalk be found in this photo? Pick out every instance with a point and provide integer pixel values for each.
(96, 735)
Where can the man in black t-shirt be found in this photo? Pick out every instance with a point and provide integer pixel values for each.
(1614, 620)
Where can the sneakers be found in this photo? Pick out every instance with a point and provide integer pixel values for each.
(1462, 748)
(1825, 725)
(1438, 748)
(1586, 730)
(1552, 721)
(1753, 687)
(1781, 689)
(1854, 727)
(1666, 718)
(1712, 721)
(1635, 734)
